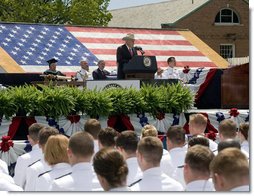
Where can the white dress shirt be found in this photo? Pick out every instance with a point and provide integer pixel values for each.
(83, 75)
(169, 73)
(22, 163)
(33, 171)
(82, 178)
(154, 180)
(200, 185)
(45, 180)
(135, 172)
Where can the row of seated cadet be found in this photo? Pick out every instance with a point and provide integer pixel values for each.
(102, 159)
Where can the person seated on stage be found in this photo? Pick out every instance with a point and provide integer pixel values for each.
(170, 73)
(100, 73)
(83, 73)
(52, 68)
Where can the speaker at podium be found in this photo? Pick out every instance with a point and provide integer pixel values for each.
(140, 67)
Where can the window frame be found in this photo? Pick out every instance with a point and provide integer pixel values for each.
(233, 49)
(232, 18)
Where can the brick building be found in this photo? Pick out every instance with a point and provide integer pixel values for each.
(222, 24)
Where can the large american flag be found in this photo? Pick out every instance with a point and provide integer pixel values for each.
(31, 45)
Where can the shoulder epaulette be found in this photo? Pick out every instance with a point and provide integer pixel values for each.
(34, 163)
(43, 173)
(180, 166)
(135, 182)
(63, 175)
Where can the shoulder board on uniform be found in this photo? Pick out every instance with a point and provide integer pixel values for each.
(63, 175)
(34, 163)
(180, 166)
(135, 182)
(43, 173)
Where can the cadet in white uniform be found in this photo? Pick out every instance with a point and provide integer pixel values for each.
(82, 178)
(170, 73)
(93, 127)
(230, 171)
(177, 150)
(228, 130)
(196, 169)
(127, 143)
(149, 155)
(26, 159)
(197, 127)
(56, 156)
(111, 169)
(40, 166)
(166, 160)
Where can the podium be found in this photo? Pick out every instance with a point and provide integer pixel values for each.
(140, 67)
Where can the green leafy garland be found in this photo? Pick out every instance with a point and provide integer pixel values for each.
(62, 101)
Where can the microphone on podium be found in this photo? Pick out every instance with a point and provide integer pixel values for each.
(140, 49)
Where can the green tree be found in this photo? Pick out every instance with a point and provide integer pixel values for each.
(76, 12)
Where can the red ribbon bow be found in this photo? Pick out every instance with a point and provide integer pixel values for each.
(160, 116)
(6, 143)
(186, 69)
(73, 118)
(234, 112)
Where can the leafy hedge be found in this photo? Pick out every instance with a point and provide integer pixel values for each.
(62, 101)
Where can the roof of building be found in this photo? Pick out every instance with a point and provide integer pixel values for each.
(155, 14)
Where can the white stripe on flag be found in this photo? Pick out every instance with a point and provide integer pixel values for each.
(121, 35)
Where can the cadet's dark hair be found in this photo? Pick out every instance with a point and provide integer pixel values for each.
(110, 164)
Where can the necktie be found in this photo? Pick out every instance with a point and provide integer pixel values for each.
(131, 51)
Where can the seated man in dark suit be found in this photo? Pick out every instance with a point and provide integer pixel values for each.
(52, 68)
(100, 73)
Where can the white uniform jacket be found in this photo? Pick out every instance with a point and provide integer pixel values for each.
(45, 180)
(154, 180)
(82, 178)
(22, 163)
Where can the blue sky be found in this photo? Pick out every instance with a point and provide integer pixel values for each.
(116, 4)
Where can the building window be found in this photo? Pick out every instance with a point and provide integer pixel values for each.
(227, 50)
(227, 16)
